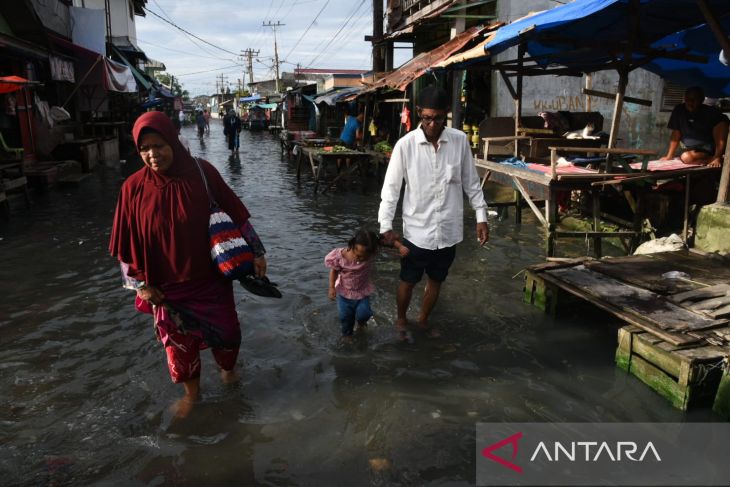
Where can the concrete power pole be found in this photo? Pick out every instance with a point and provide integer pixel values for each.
(249, 54)
(276, 53)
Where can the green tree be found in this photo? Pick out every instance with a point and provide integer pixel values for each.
(168, 79)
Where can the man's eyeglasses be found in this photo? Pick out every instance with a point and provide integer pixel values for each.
(429, 120)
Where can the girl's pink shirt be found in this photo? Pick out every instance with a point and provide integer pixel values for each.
(353, 281)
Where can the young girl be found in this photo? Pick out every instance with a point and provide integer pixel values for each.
(350, 281)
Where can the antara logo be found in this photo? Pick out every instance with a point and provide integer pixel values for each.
(574, 451)
(510, 440)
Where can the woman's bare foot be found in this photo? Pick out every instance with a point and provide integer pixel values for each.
(182, 407)
(347, 339)
(229, 376)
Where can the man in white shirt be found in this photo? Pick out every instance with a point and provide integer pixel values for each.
(437, 165)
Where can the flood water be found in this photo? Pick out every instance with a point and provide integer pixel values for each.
(85, 392)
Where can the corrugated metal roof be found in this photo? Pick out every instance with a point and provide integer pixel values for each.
(403, 76)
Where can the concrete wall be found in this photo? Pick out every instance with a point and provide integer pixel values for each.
(123, 24)
(641, 127)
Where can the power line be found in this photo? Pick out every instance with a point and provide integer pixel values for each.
(332, 39)
(187, 37)
(188, 32)
(238, 66)
(182, 52)
(307, 29)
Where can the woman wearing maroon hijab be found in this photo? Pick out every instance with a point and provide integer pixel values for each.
(160, 236)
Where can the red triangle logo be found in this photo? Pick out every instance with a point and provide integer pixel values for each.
(510, 440)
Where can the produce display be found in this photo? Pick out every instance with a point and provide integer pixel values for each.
(383, 146)
(336, 148)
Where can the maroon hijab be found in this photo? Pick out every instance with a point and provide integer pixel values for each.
(161, 221)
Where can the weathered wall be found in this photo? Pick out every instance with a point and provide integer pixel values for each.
(640, 126)
(54, 15)
(123, 24)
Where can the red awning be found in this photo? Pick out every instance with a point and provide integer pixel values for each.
(9, 84)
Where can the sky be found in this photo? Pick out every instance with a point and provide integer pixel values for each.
(335, 38)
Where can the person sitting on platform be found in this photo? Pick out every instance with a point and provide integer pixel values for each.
(700, 129)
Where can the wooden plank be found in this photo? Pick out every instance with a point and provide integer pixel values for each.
(606, 150)
(702, 293)
(627, 99)
(721, 404)
(514, 171)
(677, 339)
(667, 361)
(659, 381)
(644, 304)
(646, 271)
(711, 304)
(720, 313)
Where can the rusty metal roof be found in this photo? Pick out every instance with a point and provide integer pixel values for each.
(404, 75)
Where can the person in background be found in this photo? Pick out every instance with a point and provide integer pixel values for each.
(200, 122)
(181, 117)
(436, 164)
(352, 131)
(232, 129)
(160, 237)
(180, 136)
(700, 130)
(206, 114)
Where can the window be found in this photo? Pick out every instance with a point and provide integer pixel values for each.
(672, 95)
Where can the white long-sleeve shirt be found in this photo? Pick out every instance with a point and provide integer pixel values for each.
(433, 205)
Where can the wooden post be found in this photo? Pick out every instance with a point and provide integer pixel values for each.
(597, 248)
(551, 212)
(685, 229)
(723, 194)
(589, 85)
(518, 99)
(623, 77)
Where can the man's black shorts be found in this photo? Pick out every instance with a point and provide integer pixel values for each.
(436, 263)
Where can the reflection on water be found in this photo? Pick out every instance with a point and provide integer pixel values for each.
(84, 389)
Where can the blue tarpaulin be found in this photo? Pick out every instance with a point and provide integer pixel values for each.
(713, 76)
(588, 34)
(249, 99)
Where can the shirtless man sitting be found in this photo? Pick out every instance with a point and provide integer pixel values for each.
(700, 129)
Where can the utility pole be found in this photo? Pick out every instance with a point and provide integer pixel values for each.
(276, 52)
(378, 58)
(249, 55)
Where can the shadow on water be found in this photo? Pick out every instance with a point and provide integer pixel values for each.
(84, 391)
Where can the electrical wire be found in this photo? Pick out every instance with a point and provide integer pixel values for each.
(187, 37)
(332, 39)
(237, 66)
(307, 29)
(188, 32)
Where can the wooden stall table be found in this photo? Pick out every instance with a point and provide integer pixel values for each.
(319, 158)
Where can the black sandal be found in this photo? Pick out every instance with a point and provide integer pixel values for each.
(260, 286)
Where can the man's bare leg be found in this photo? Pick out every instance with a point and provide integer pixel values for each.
(403, 300)
(430, 296)
(695, 157)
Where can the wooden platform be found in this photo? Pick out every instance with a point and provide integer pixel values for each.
(676, 306)
(686, 377)
(537, 183)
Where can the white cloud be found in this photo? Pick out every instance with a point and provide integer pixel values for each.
(237, 25)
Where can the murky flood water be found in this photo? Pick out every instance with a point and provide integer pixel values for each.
(84, 389)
